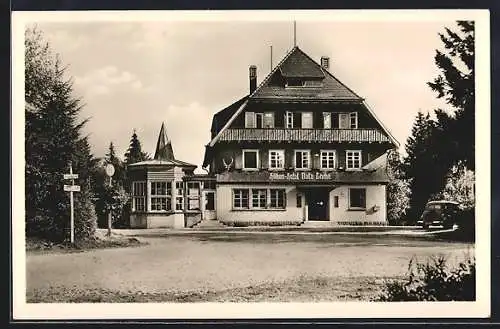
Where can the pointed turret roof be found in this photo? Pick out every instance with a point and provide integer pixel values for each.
(164, 149)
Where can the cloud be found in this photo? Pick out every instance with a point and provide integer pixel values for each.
(104, 80)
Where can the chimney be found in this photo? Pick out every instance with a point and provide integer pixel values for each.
(325, 62)
(253, 78)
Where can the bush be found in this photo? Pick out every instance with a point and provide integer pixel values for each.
(433, 281)
(85, 217)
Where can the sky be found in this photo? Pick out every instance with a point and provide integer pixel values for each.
(136, 75)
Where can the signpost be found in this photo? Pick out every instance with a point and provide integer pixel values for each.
(110, 171)
(71, 188)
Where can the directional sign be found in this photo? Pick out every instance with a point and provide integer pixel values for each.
(70, 176)
(72, 188)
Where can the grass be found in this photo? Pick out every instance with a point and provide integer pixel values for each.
(40, 246)
(301, 289)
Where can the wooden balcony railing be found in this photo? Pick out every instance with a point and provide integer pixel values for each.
(304, 135)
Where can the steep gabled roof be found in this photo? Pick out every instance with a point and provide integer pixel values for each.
(298, 64)
(295, 64)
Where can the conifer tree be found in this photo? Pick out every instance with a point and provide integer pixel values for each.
(52, 139)
(134, 153)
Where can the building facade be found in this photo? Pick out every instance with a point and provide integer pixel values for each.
(299, 147)
(165, 192)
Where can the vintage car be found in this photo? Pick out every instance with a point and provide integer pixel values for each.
(441, 213)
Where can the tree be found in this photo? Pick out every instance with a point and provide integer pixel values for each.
(53, 139)
(398, 191)
(421, 157)
(134, 153)
(456, 85)
(460, 186)
(119, 175)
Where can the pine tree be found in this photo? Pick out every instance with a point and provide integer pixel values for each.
(134, 153)
(53, 139)
(456, 85)
(119, 176)
(419, 164)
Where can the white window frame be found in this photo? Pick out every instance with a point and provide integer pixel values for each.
(327, 118)
(193, 197)
(259, 198)
(257, 159)
(353, 124)
(240, 198)
(179, 196)
(289, 120)
(271, 199)
(303, 114)
(167, 196)
(268, 114)
(142, 196)
(282, 155)
(347, 156)
(322, 152)
(308, 159)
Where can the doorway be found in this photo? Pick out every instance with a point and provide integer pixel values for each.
(317, 203)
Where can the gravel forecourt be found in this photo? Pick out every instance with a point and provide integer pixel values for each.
(223, 265)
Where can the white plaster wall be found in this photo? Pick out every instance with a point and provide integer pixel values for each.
(224, 200)
(161, 221)
(375, 195)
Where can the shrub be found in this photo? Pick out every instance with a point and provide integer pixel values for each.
(85, 216)
(434, 281)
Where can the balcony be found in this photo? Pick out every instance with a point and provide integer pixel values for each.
(304, 135)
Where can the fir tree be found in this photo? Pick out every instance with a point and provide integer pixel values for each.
(53, 139)
(134, 153)
(119, 176)
(456, 85)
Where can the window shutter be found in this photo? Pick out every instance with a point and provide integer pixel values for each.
(344, 121)
(269, 120)
(307, 121)
(250, 120)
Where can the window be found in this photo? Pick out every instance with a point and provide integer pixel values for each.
(259, 198)
(299, 201)
(210, 201)
(259, 120)
(193, 195)
(302, 159)
(250, 120)
(353, 120)
(289, 119)
(250, 159)
(161, 193)
(269, 120)
(336, 201)
(353, 160)
(313, 83)
(294, 83)
(179, 198)
(138, 196)
(344, 121)
(277, 198)
(327, 159)
(209, 185)
(307, 120)
(240, 198)
(357, 198)
(276, 159)
(327, 120)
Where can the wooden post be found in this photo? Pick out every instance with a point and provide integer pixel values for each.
(71, 188)
(110, 221)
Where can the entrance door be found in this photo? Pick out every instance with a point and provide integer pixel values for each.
(209, 205)
(317, 203)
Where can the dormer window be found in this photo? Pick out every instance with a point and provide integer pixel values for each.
(295, 83)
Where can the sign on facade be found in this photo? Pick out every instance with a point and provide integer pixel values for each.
(301, 176)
